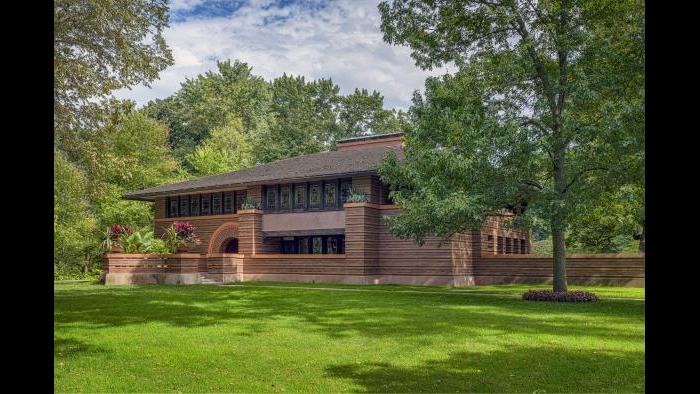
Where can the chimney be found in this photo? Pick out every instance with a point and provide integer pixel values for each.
(371, 141)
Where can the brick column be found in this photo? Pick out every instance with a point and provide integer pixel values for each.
(362, 238)
(250, 235)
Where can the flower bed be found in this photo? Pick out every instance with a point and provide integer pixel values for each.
(560, 296)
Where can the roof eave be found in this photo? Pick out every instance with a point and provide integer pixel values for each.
(150, 197)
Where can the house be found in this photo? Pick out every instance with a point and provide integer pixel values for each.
(303, 229)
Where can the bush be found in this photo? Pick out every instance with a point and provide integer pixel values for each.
(560, 296)
(356, 196)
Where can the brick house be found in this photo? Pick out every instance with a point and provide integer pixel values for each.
(303, 230)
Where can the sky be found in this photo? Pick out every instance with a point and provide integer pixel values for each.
(337, 39)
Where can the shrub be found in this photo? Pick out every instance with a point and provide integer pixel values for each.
(560, 296)
(179, 234)
(356, 196)
(249, 203)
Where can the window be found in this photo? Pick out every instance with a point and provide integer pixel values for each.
(490, 244)
(290, 245)
(345, 187)
(285, 198)
(172, 207)
(184, 206)
(205, 206)
(303, 245)
(509, 245)
(216, 204)
(271, 198)
(300, 196)
(516, 246)
(501, 246)
(229, 198)
(523, 247)
(240, 199)
(315, 196)
(335, 244)
(317, 245)
(385, 194)
(194, 205)
(329, 194)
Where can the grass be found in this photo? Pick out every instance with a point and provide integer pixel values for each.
(271, 337)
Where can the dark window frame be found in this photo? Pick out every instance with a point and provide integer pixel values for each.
(198, 199)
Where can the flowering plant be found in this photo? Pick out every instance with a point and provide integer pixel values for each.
(179, 234)
(185, 230)
(560, 296)
(117, 230)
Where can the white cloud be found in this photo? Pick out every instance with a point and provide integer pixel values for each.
(342, 41)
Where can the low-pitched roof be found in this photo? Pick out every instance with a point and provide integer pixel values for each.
(315, 165)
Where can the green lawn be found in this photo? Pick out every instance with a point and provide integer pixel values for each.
(268, 337)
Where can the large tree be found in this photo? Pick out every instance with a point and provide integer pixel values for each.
(208, 101)
(539, 115)
(101, 46)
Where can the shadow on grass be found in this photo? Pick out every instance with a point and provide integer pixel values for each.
(343, 314)
(70, 347)
(518, 369)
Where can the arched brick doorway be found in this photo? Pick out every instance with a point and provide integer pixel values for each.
(230, 246)
(224, 238)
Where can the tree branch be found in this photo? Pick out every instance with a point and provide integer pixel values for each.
(580, 173)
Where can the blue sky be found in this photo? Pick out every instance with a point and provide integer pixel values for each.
(338, 39)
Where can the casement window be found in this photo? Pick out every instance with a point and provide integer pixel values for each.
(336, 244)
(184, 206)
(490, 244)
(172, 207)
(516, 246)
(501, 246)
(385, 195)
(509, 245)
(315, 196)
(304, 245)
(216, 204)
(319, 244)
(285, 197)
(271, 198)
(300, 196)
(205, 205)
(240, 199)
(345, 186)
(229, 202)
(523, 247)
(330, 196)
(194, 204)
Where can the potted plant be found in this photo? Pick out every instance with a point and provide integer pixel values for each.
(249, 203)
(356, 196)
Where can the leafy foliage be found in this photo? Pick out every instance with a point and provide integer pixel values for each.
(101, 46)
(531, 122)
(226, 149)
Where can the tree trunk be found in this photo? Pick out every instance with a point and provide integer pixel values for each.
(559, 266)
(641, 238)
(559, 218)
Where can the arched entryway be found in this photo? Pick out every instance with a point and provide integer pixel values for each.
(230, 246)
(224, 238)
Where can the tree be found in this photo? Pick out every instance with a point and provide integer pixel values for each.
(362, 113)
(305, 118)
(227, 148)
(610, 223)
(207, 101)
(74, 224)
(520, 124)
(101, 46)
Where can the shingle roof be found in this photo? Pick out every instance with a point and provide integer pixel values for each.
(334, 163)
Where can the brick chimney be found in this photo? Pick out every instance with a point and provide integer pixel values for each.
(370, 141)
